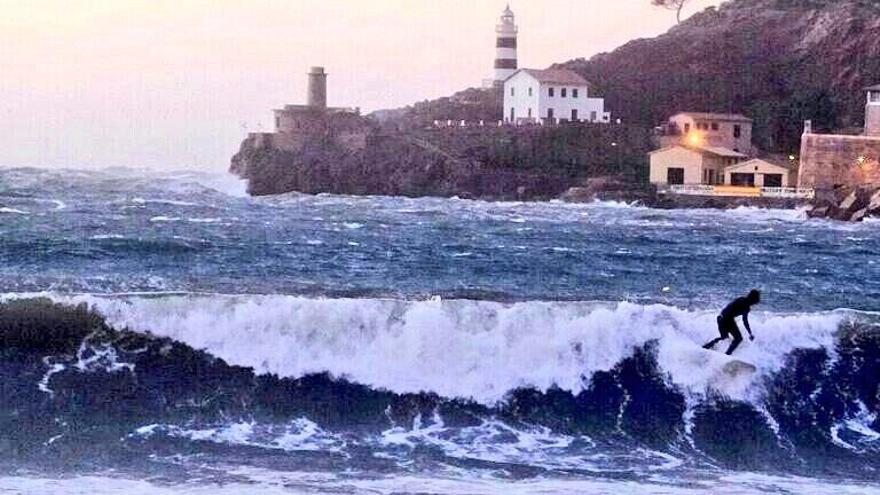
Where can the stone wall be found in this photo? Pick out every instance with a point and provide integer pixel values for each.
(829, 161)
(872, 120)
(301, 126)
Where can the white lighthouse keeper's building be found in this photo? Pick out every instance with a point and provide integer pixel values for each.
(551, 96)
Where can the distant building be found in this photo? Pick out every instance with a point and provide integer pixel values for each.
(689, 165)
(872, 111)
(296, 125)
(551, 96)
(760, 173)
(732, 131)
(506, 62)
(833, 160)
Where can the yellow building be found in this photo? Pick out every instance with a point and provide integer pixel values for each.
(731, 131)
(760, 173)
(680, 164)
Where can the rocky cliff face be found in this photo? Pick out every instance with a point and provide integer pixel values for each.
(475, 162)
(777, 61)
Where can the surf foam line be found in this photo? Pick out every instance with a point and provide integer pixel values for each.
(478, 350)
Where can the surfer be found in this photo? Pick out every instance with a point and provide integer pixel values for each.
(727, 321)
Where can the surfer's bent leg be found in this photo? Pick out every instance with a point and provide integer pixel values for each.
(737, 338)
(722, 329)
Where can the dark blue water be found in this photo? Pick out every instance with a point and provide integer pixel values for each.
(122, 231)
(165, 333)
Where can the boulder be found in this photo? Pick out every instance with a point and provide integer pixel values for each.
(578, 195)
(850, 202)
(859, 215)
(818, 212)
(874, 203)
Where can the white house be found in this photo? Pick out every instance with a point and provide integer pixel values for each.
(551, 96)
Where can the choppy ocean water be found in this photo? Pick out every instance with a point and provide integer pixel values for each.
(165, 333)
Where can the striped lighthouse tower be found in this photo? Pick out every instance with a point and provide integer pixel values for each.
(505, 47)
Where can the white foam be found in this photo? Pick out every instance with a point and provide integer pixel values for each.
(271, 482)
(171, 202)
(460, 348)
(299, 435)
(204, 220)
(6, 209)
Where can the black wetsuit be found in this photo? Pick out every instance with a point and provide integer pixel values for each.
(727, 323)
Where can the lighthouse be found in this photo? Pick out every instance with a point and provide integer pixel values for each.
(505, 47)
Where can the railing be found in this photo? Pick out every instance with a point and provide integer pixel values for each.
(741, 191)
(695, 189)
(788, 192)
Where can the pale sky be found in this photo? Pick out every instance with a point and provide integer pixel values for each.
(162, 83)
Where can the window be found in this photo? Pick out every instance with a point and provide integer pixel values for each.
(714, 126)
(512, 114)
(530, 113)
(551, 92)
(512, 91)
(277, 122)
(574, 93)
(737, 131)
(574, 115)
(675, 176)
(747, 180)
(874, 96)
(563, 92)
(772, 180)
(505, 43)
(530, 91)
(687, 128)
(593, 116)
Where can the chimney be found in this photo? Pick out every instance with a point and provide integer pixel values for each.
(317, 97)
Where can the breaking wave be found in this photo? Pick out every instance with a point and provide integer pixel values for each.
(583, 386)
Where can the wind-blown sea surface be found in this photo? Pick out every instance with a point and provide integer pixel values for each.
(164, 333)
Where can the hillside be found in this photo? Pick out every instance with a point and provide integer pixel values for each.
(472, 104)
(777, 61)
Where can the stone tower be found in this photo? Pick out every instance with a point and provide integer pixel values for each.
(317, 97)
(872, 112)
(505, 47)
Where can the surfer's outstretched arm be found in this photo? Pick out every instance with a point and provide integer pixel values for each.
(748, 328)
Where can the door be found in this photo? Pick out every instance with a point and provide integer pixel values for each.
(772, 180)
(574, 115)
(550, 114)
(674, 176)
(747, 180)
(512, 114)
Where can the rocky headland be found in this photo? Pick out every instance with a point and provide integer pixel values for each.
(778, 61)
(486, 162)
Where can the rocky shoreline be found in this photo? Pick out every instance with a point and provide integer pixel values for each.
(847, 204)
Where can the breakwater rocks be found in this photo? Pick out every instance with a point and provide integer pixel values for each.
(485, 162)
(847, 204)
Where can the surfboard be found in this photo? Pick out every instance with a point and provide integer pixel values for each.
(736, 367)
